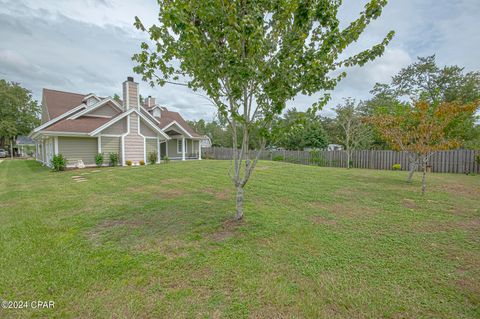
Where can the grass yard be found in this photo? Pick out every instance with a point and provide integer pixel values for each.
(158, 241)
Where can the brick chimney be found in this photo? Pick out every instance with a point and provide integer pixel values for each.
(150, 101)
(130, 94)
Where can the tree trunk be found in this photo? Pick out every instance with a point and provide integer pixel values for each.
(239, 203)
(424, 177)
(11, 148)
(411, 171)
(412, 168)
(348, 159)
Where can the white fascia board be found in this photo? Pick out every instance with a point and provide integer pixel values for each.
(150, 115)
(58, 118)
(91, 95)
(96, 106)
(175, 122)
(155, 127)
(54, 133)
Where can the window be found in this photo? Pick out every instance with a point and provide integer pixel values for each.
(179, 146)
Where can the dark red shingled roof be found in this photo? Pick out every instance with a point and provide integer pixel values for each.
(83, 124)
(58, 102)
(168, 117)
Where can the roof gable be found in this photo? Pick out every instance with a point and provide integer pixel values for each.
(169, 118)
(58, 102)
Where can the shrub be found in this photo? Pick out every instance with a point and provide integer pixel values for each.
(128, 162)
(99, 159)
(59, 162)
(152, 157)
(317, 157)
(166, 159)
(278, 158)
(142, 162)
(113, 159)
(396, 167)
(293, 159)
(478, 159)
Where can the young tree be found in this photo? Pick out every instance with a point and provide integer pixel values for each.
(425, 80)
(421, 131)
(251, 57)
(19, 112)
(355, 133)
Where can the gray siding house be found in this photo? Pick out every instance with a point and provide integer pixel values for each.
(79, 126)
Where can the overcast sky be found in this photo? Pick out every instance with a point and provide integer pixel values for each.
(86, 46)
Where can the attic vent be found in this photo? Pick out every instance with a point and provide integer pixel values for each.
(91, 101)
(156, 112)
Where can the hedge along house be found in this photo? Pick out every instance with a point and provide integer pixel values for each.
(79, 126)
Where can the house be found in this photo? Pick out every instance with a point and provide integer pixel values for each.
(79, 126)
(24, 146)
(206, 141)
(334, 147)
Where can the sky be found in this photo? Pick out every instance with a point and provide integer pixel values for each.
(85, 46)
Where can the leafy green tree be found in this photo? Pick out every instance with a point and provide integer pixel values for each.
(251, 57)
(355, 134)
(19, 112)
(424, 80)
(298, 130)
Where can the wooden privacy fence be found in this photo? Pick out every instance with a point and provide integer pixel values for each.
(455, 161)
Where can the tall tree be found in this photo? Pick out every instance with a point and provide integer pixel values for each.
(425, 80)
(251, 57)
(19, 112)
(354, 133)
(421, 131)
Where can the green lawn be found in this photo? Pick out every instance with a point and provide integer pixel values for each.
(158, 241)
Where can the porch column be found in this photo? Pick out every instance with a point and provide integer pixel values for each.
(199, 150)
(183, 148)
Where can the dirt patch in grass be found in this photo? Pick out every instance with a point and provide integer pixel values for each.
(108, 225)
(224, 194)
(458, 189)
(171, 181)
(227, 230)
(409, 203)
(322, 220)
(170, 193)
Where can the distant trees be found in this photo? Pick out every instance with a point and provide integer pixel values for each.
(424, 80)
(298, 130)
(353, 132)
(19, 112)
(422, 129)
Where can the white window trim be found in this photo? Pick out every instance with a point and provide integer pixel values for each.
(179, 146)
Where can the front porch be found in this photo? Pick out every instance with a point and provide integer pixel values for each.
(182, 145)
(181, 148)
